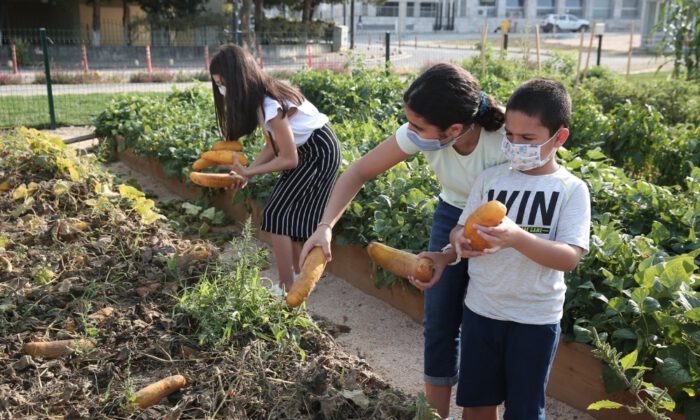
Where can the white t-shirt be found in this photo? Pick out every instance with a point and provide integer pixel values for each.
(457, 173)
(508, 285)
(304, 121)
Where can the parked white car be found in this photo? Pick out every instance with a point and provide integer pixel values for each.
(562, 23)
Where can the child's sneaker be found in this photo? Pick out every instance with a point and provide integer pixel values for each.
(277, 291)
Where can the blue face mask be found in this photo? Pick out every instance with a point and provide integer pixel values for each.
(431, 145)
(427, 145)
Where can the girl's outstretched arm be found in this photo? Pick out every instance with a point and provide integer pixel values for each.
(376, 161)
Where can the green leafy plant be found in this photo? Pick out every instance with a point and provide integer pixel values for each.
(231, 306)
(649, 399)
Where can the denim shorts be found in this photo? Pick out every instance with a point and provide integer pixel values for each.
(506, 361)
(443, 306)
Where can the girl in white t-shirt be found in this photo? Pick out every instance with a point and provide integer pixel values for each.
(458, 128)
(299, 143)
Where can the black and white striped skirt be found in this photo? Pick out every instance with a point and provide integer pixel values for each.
(300, 195)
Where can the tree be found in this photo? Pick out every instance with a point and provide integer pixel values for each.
(681, 31)
(163, 12)
(306, 7)
(126, 21)
(96, 26)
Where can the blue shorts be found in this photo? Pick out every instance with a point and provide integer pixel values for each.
(442, 311)
(506, 361)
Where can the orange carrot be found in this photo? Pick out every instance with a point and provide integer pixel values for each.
(156, 391)
(488, 214)
(401, 263)
(310, 274)
(54, 349)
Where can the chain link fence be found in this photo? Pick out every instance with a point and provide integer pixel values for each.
(68, 81)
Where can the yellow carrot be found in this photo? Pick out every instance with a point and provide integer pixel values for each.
(214, 180)
(225, 157)
(401, 263)
(310, 274)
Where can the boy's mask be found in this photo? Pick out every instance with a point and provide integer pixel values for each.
(222, 90)
(524, 157)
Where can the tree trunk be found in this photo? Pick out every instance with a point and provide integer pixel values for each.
(126, 22)
(306, 13)
(96, 36)
(248, 35)
(259, 16)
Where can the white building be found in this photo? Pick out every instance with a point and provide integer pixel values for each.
(465, 16)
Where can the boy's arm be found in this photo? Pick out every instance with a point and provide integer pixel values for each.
(552, 254)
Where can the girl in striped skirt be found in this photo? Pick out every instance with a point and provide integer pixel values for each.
(299, 143)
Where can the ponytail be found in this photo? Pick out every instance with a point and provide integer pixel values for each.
(490, 115)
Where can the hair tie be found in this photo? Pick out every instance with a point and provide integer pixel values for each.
(483, 104)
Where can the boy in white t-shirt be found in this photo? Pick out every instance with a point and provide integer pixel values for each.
(515, 297)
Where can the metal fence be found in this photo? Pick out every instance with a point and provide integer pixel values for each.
(83, 78)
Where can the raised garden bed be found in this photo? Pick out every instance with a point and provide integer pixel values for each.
(576, 378)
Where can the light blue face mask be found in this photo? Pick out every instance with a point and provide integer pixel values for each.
(222, 90)
(431, 145)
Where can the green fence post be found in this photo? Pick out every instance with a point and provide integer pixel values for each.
(47, 72)
(387, 50)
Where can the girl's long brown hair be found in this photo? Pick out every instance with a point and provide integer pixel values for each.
(246, 88)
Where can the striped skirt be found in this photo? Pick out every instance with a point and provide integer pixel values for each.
(300, 195)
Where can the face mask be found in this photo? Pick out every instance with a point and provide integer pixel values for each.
(222, 90)
(524, 157)
(431, 145)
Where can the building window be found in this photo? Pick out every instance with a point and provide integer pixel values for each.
(601, 9)
(545, 7)
(389, 8)
(515, 8)
(410, 9)
(630, 8)
(487, 8)
(574, 7)
(428, 9)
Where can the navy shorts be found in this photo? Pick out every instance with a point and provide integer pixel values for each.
(506, 361)
(442, 309)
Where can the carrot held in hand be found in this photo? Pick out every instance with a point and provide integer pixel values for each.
(234, 145)
(488, 214)
(402, 263)
(225, 157)
(215, 180)
(156, 391)
(311, 272)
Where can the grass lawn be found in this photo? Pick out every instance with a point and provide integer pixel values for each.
(33, 111)
(650, 76)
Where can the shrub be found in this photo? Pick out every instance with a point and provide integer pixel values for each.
(202, 76)
(159, 76)
(10, 79)
(69, 78)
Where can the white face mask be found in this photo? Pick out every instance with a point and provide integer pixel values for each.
(222, 90)
(524, 157)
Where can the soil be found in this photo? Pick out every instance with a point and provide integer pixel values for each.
(385, 338)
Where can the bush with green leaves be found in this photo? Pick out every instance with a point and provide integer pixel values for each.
(362, 95)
